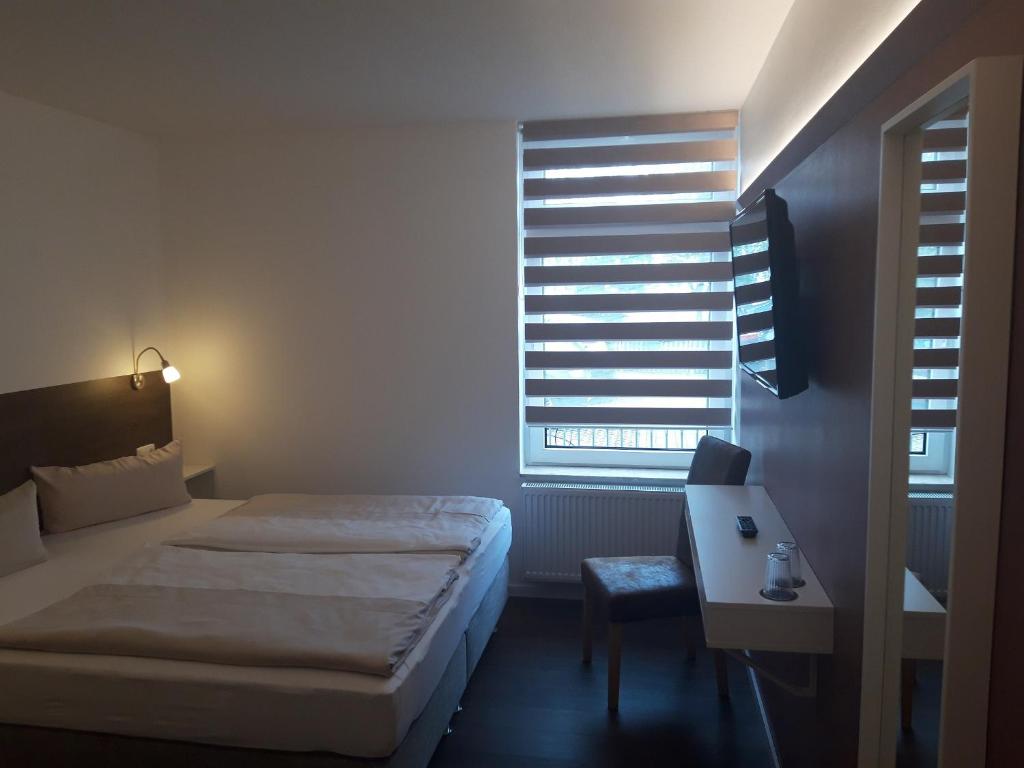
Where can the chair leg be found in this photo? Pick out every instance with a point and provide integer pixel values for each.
(721, 675)
(908, 678)
(690, 636)
(588, 626)
(614, 664)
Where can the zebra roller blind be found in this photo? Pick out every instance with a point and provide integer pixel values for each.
(627, 292)
(940, 274)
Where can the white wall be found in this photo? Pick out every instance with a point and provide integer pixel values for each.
(80, 263)
(344, 309)
(821, 44)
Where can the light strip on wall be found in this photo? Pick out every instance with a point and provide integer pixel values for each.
(854, 59)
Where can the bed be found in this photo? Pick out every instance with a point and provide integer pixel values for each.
(360, 716)
(83, 708)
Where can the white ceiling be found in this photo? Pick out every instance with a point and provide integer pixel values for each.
(190, 67)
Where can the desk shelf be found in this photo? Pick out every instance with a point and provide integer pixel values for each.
(924, 621)
(730, 571)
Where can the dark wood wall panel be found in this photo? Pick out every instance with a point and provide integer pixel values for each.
(812, 452)
(80, 423)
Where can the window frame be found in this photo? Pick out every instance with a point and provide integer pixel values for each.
(537, 455)
(939, 456)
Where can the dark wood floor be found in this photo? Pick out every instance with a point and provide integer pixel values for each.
(532, 703)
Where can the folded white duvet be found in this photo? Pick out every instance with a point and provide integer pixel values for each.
(348, 524)
(358, 613)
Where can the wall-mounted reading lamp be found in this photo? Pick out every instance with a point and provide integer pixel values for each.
(169, 371)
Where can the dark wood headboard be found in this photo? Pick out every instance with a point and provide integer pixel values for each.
(80, 423)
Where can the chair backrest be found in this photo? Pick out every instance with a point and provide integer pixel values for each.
(715, 462)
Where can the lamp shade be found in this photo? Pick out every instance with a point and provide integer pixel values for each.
(171, 374)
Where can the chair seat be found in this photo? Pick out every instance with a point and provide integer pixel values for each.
(637, 588)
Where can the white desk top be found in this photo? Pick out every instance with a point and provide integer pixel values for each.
(730, 571)
(917, 599)
(924, 621)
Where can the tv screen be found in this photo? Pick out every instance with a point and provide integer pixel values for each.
(767, 296)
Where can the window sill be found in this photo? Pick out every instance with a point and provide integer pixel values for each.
(607, 474)
(931, 484)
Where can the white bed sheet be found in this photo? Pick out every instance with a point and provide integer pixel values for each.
(76, 558)
(289, 709)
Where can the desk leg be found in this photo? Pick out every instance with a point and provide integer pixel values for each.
(691, 626)
(721, 674)
(907, 681)
(614, 664)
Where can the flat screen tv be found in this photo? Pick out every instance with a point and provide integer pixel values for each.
(767, 293)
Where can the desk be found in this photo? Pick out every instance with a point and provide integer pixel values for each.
(924, 621)
(730, 571)
(924, 637)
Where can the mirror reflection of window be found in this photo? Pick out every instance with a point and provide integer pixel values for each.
(932, 444)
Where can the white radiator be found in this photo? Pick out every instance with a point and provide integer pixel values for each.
(929, 527)
(563, 523)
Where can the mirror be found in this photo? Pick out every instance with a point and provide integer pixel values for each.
(942, 150)
(943, 304)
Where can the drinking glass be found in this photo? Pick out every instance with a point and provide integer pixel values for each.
(790, 548)
(778, 579)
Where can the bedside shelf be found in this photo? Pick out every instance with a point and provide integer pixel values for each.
(199, 480)
(193, 471)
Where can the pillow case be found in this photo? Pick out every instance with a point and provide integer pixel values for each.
(20, 543)
(74, 497)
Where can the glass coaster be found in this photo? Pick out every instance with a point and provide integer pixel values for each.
(778, 595)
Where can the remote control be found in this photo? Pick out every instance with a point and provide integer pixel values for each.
(746, 526)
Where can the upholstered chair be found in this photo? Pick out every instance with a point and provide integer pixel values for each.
(637, 588)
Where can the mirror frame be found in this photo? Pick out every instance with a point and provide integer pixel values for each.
(992, 88)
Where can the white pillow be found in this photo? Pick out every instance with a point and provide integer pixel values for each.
(74, 497)
(20, 543)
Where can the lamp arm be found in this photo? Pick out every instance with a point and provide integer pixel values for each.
(139, 357)
(138, 380)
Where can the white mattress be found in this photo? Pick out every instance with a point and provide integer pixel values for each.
(289, 709)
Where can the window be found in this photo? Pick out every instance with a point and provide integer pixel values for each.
(939, 297)
(626, 302)
(935, 456)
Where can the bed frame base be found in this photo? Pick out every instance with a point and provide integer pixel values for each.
(22, 745)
